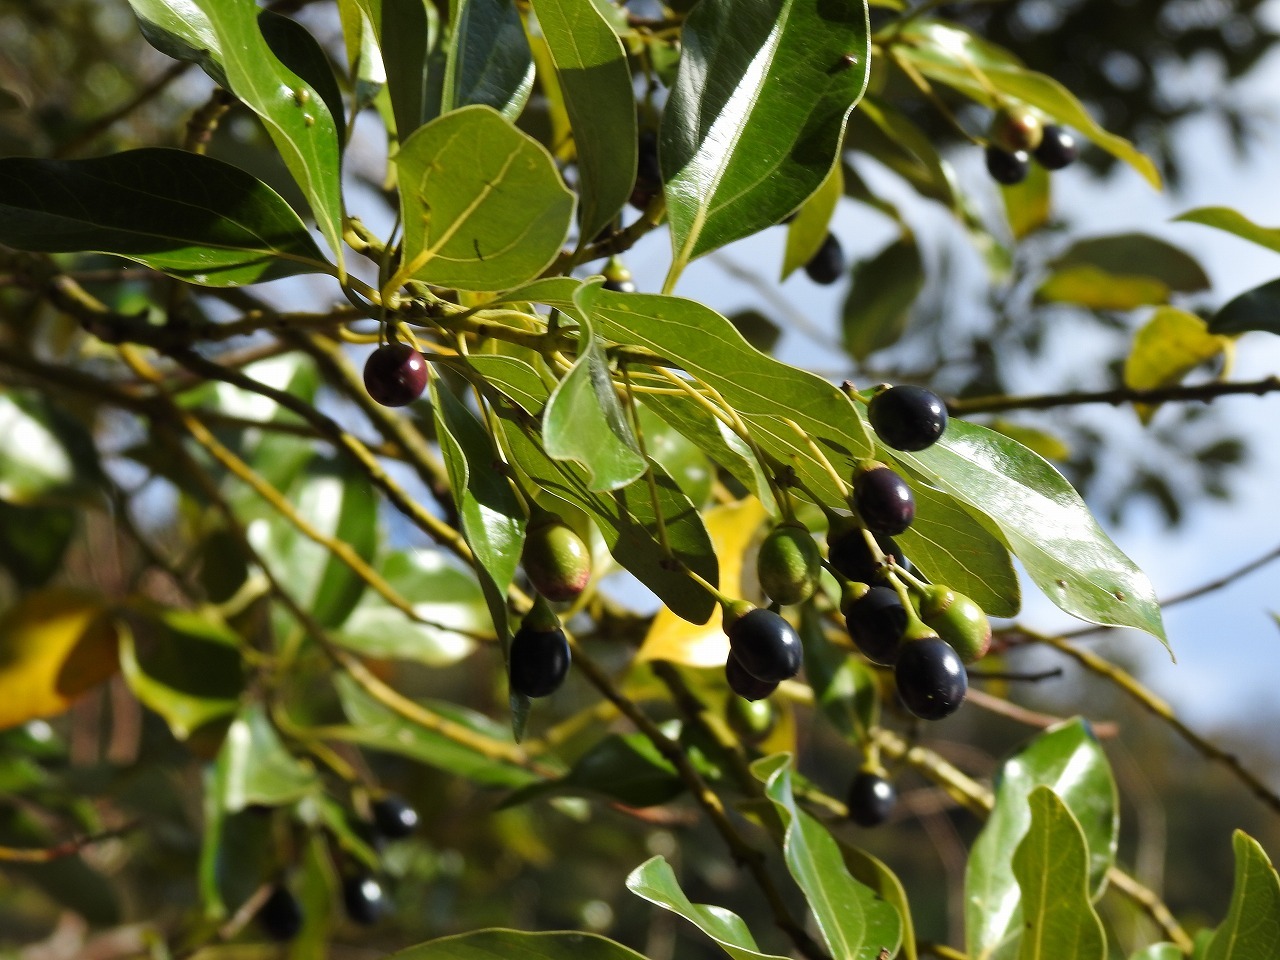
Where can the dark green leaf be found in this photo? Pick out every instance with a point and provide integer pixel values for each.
(515, 378)
(879, 302)
(255, 768)
(1256, 309)
(1252, 928)
(1232, 221)
(1068, 760)
(755, 119)
(409, 36)
(489, 60)
(33, 541)
(869, 870)
(483, 205)
(627, 768)
(509, 944)
(191, 216)
(844, 688)
(880, 130)
(299, 51)
(1137, 255)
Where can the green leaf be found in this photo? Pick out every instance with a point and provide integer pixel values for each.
(489, 59)
(449, 599)
(47, 458)
(1252, 928)
(952, 55)
(180, 29)
(855, 922)
(655, 881)
(1232, 221)
(1256, 309)
(34, 540)
(596, 84)
(1069, 760)
(509, 944)
(1096, 289)
(755, 119)
(1138, 255)
(808, 230)
(683, 459)
(584, 420)
(1169, 346)
(1159, 951)
(869, 870)
(409, 39)
(878, 306)
(764, 393)
(515, 378)
(1052, 867)
(300, 52)
(628, 769)
(188, 215)
(295, 115)
(1044, 522)
(378, 728)
(482, 203)
(844, 688)
(880, 130)
(255, 767)
(1029, 204)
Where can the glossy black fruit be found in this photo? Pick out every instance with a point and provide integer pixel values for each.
(884, 500)
(648, 170)
(788, 564)
(620, 286)
(876, 621)
(744, 684)
(281, 915)
(1007, 168)
(827, 265)
(907, 417)
(393, 817)
(931, 679)
(1058, 148)
(848, 552)
(395, 374)
(539, 661)
(1016, 128)
(555, 558)
(871, 799)
(766, 645)
(364, 899)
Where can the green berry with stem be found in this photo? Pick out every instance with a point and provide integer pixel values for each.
(957, 620)
(555, 558)
(788, 564)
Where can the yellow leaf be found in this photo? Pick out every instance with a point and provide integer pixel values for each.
(732, 528)
(55, 645)
(1096, 289)
(1169, 346)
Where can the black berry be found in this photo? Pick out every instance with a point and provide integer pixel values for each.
(828, 264)
(393, 817)
(1058, 148)
(848, 552)
(1007, 168)
(871, 799)
(395, 374)
(931, 679)
(539, 661)
(648, 170)
(876, 621)
(280, 916)
(744, 684)
(620, 286)
(364, 899)
(766, 645)
(907, 418)
(884, 500)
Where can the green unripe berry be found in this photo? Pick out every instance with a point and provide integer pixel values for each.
(788, 564)
(752, 720)
(957, 620)
(555, 559)
(1016, 129)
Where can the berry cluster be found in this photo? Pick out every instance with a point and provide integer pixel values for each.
(1017, 136)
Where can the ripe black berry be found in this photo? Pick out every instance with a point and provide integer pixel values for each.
(1007, 168)
(876, 621)
(744, 684)
(848, 552)
(907, 418)
(766, 645)
(871, 799)
(393, 817)
(620, 286)
(364, 899)
(884, 500)
(395, 374)
(931, 679)
(648, 170)
(1058, 148)
(280, 916)
(539, 661)
(828, 264)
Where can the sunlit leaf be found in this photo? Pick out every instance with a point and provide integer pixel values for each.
(256, 768)
(1166, 348)
(506, 944)
(808, 230)
(1232, 221)
(1095, 288)
(1252, 927)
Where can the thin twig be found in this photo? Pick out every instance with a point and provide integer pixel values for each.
(1204, 392)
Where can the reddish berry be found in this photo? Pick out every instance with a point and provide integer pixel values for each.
(395, 374)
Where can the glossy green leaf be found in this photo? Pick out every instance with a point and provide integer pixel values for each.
(855, 922)
(509, 944)
(595, 82)
(1251, 930)
(294, 113)
(878, 306)
(1168, 346)
(683, 459)
(449, 601)
(1256, 309)
(1044, 522)
(1095, 288)
(515, 378)
(1159, 951)
(255, 767)
(655, 881)
(47, 458)
(489, 62)
(626, 768)
(1028, 205)
(300, 52)
(1051, 865)
(808, 230)
(585, 422)
(186, 214)
(871, 871)
(1070, 761)
(765, 393)
(952, 55)
(1232, 221)
(755, 119)
(378, 728)
(409, 42)
(34, 540)
(1138, 255)
(483, 205)
(180, 29)
(184, 666)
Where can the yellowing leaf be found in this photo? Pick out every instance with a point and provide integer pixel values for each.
(732, 528)
(1097, 289)
(55, 645)
(1168, 347)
